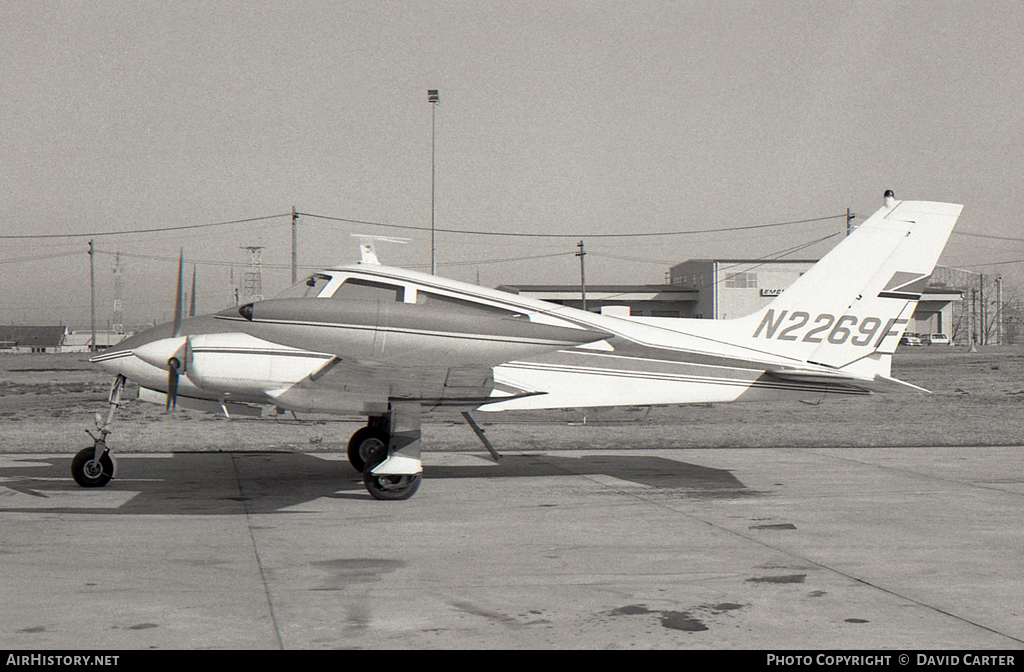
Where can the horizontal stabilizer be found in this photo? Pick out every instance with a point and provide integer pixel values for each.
(894, 384)
(877, 383)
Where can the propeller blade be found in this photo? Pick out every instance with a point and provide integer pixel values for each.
(192, 298)
(178, 299)
(172, 383)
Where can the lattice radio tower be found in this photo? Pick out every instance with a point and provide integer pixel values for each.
(118, 325)
(252, 286)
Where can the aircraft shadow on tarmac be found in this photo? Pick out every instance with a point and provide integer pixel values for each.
(226, 483)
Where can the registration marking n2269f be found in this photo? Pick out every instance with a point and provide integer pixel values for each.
(798, 326)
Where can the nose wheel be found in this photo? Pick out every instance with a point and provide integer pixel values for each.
(90, 472)
(93, 467)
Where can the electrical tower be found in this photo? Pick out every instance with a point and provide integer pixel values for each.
(252, 286)
(118, 325)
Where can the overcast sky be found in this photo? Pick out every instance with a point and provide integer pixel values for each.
(555, 117)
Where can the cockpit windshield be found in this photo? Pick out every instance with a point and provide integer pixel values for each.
(306, 289)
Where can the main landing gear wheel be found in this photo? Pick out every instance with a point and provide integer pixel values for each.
(388, 487)
(89, 473)
(363, 443)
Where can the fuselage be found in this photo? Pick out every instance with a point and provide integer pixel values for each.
(352, 339)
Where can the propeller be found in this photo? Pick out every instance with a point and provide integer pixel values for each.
(173, 371)
(174, 355)
(174, 364)
(192, 298)
(178, 298)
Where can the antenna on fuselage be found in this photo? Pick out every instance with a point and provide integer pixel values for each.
(367, 250)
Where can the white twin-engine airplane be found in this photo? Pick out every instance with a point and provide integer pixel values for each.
(390, 343)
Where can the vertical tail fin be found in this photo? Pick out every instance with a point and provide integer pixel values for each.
(850, 309)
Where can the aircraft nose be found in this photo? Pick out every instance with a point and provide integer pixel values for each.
(112, 361)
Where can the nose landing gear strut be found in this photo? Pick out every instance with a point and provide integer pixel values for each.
(93, 467)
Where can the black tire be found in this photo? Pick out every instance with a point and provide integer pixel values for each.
(392, 488)
(363, 443)
(388, 487)
(87, 473)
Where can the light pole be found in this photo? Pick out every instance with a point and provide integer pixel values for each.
(433, 99)
(92, 295)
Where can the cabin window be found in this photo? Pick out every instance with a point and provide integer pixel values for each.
(462, 306)
(365, 290)
(306, 289)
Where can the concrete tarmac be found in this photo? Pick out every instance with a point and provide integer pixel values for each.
(841, 548)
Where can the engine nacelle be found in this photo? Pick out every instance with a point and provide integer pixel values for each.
(240, 363)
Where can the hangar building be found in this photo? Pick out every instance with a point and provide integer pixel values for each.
(641, 300)
(723, 289)
(730, 288)
(31, 339)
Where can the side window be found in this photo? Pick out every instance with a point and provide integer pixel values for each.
(364, 290)
(462, 306)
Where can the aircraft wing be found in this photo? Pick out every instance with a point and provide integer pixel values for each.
(355, 383)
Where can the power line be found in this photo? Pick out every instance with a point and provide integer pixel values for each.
(659, 262)
(997, 263)
(139, 231)
(991, 237)
(202, 262)
(238, 264)
(513, 234)
(776, 256)
(771, 256)
(501, 261)
(55, 255)
(156, 257)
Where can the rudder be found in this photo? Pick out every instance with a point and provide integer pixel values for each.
(851, 308)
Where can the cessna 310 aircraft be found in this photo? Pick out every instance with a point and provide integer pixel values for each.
(389, 344)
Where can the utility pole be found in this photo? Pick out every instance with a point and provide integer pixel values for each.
(295, 238)
(92, 295)
(583, 274)
(118, 326)
(849, 221)
(999, 310)
(433, 98)
(984, 315)
(974, 319)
